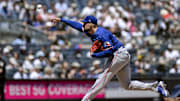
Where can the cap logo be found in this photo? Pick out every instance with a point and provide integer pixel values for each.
(89, 20)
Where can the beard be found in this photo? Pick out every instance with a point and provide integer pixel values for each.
(87, 27)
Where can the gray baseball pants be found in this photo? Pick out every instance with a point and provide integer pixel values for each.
(117, 65)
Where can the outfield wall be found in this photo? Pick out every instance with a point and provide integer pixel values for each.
(75, 90)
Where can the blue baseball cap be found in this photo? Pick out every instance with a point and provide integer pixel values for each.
(90, 19)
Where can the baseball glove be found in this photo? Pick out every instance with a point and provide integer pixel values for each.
(96, 46)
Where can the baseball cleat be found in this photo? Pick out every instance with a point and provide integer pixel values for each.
(162, 89)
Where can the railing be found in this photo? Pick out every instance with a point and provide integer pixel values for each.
(11, 28)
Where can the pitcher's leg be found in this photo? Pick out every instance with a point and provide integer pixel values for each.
(119, 61)
(100, 83)
(138, 85)
(124, 76)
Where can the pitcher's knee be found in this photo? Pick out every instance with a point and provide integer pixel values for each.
(126, 55)
(127, 87)
(125, 59)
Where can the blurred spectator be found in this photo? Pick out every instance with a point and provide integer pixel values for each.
(162, 59)
(50, 14)
(174, 69)
(170, 53)
(4, 8)
(110, 21)
(72, 12)
(28, 63)
(139, 66)
(88, 10)
(20, 40)
(64, 70)
(14, 62)
(82, 74)
(78, 51)
(137, 33)
(151, 56)
(40, 60)
(23, 50)
(36, 73)
(48, 24)
(16, 58)
(99, 11)
(67, 44)
(61, 6)
(57, 70)
(73, 73)
(98, 68)
(7, 53)
(75, 65)
(56, 54)
(126, 35)
(20, 74)
(178, 63)
(48, 74)
(11, 69)
(92, 73)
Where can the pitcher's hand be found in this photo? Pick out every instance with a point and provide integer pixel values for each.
(55, 20)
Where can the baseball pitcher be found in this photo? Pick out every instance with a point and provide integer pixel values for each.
(105, 44)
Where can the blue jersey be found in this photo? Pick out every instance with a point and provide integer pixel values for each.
(104, 36)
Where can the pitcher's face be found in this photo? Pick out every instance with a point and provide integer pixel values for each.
(88, 27)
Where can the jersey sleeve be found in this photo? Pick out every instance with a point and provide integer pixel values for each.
(73, 24)
(105, 53)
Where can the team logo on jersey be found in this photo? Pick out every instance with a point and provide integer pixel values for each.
(107, 44)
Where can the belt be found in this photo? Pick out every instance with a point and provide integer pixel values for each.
(120, 49)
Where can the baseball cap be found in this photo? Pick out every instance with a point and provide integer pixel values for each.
(90, 19)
